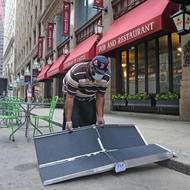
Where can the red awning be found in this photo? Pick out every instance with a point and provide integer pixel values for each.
(84, 51)
(56, 67)
(43, 74)
(149, 17)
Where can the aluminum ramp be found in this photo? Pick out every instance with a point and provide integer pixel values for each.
(89, 150)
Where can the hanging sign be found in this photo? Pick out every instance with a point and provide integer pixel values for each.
(29, 91)
(27, 78)
(98, 3)
(66, 18)
(50, 36)
(35, 72)
(40, 47)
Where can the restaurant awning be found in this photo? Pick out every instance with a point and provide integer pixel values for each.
(150, 17)
(42, 77)
(56, 68)
(84, 51)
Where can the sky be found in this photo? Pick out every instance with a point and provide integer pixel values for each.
(2, 13)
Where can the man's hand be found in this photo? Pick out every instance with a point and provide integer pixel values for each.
(100, 121)
(69, 126)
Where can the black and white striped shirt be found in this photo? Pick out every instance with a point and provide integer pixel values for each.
(79, 82)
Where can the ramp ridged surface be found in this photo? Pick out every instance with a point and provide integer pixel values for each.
(136, 152)
(120, 137)
(90, 150)
(75, 167)
(66, 145)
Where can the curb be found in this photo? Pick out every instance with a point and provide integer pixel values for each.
(147, 115)
(180, 163)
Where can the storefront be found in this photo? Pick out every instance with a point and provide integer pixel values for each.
(42, 77)
(147, 51)
(84, 51)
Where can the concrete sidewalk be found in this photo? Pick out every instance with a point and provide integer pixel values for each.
(165, 130)
(19, 169)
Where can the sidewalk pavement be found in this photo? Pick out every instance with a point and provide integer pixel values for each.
(165, 130)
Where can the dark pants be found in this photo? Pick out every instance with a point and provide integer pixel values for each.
(84, 113)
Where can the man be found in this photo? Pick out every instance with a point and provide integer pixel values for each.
(85, 85)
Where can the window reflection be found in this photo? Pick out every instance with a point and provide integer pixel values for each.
(151, 67)
(132, 70)
(177, 70)
(124, 69)
(85, 11)
(141, 69)
(164, 73)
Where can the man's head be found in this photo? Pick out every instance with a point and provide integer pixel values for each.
(101, 63)
(99, 67)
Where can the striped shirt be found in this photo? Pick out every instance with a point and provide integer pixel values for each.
(79, 82)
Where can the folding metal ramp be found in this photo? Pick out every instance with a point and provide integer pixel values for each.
(89, 150)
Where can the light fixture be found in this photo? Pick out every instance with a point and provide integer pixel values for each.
(181, 20)
(18, 82)
(21, 80)
(98, 28)
(66, 49)
(179, 49)
(49, 62)
(125, 74)
(35, 69)
(27, 75)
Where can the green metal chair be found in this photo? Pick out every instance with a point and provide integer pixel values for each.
(13, 109)
(7, 119)
(9, 123)
(46, 117)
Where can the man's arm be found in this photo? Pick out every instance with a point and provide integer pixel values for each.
(100, 108)
(68, 110)
(69, 106)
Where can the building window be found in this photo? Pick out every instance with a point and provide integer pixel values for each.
(177, 70)
(124, 70)
(40, 4)
(30, 43)
(132, 70)
(31, 21)
(141, 68)
(151, 67)
(163, 57)
(34, 37)
(147, 68)
(39, 29)
(36, 11)
(85, 11)
(61, 37)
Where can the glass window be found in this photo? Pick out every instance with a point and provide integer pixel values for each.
(85, 11)
(61, 37)
(124, 70)
(141, 69)
(132, 70)
(163, 57)
(151, 67)
(177, 70)
(40, 4)
(91, 11)
(34, 35)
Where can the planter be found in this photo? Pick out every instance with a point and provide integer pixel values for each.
(140, 103)
(167, 103)
(119, 102)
